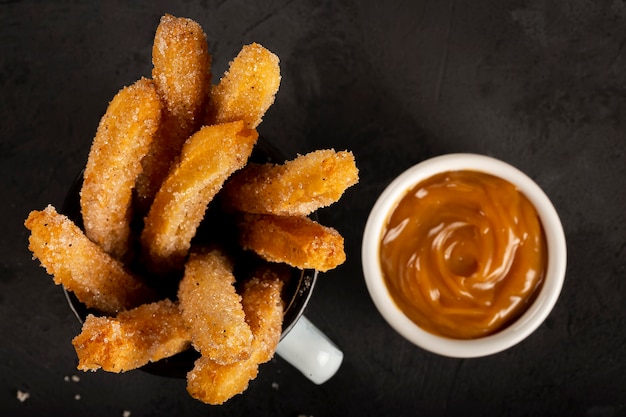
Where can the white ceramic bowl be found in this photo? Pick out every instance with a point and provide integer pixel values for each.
(536, 312)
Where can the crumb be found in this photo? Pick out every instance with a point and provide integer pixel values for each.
(75, 378)
(126, 413)
(275, 385)
(66, 378)
(77, 397)
(22, 395)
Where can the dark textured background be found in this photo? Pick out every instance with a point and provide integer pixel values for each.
(539, 84)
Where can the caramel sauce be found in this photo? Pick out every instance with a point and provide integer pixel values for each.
(463, 254)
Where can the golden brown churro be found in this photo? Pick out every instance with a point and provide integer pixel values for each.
(296, 241)
(212, 308)
(122, 139)
(295, 188)
(134, 338)
(81, 266)
(207, 159)
(182, 75)
(247, 89)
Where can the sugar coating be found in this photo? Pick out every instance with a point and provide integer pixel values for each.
(263, 306)
(214, 383)
(123, 137)
(247, 89)
(296, 241)
(181, 66)
(208, 158)
(295, 188)
(134, 338)
(212, 308)
(182, 76)
(81, 266)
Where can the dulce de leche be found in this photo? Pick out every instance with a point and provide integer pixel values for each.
(463, 254)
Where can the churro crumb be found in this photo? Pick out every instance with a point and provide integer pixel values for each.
(22, 395)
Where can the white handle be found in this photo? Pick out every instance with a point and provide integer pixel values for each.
(307, 349)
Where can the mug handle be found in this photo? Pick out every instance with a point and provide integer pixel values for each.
(310, 351)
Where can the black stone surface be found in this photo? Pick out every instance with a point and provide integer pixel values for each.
(539, 84)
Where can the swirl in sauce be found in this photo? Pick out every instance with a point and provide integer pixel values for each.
(463, 254)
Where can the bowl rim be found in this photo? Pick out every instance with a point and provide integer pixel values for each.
(536, 313)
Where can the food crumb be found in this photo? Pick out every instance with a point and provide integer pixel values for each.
(73, 378)
(126, 413)
(22, 395)
(77, 397)
(275, 385)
